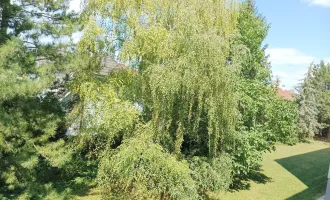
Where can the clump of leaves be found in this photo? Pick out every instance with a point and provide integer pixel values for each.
(211, 175)
(142, 169)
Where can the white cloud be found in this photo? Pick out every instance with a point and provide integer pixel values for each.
(76, 36)
(327, 60)
(290, 79)
(288, 56)
(75, 5)
(323, 3)
(290, 65)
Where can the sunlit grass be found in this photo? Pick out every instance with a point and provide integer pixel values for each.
(93, 194)
(293, 172)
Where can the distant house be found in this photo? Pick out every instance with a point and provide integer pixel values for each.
(285, 94)
(108, 66)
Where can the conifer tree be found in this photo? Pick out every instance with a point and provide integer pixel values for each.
(31, 139)
(321, 74)
(308, 107)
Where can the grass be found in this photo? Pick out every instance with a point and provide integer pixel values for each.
(291, 172)
(93, 194)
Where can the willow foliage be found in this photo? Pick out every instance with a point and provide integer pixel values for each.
(142, 169)
(181, 49)
(100, 116)
(202, 79)
(185, 83)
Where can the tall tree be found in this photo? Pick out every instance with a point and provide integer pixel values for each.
(203, 80)
(263, 121)
(31, 139)
(308, 107)
(253, 29)
(186, 87)
(321, 73)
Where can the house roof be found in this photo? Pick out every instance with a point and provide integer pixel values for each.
(285, 94)
(108, 64)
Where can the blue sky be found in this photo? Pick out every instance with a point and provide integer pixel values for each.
(299, 35)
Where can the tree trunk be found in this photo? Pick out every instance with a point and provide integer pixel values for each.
(328, 134)
(5, 16)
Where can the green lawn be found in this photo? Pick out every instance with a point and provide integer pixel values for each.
(291, 172)
(93, 194)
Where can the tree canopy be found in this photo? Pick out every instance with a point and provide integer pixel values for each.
(31, 117)
(188, 108)
(314, 101)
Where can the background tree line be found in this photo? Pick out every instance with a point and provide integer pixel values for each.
(192, 113)
(314, 102)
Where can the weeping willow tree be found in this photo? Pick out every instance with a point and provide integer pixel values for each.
(185, 81)
(181, 50)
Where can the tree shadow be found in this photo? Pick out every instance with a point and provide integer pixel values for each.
(243, 183)
(311, 169)
(75, 179)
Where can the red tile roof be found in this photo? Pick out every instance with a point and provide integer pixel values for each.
(285, 94)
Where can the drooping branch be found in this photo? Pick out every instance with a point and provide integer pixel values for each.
(44, 156)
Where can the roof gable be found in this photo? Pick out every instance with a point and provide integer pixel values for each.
(285, 94)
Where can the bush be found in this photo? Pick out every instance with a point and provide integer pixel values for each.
(142, 169)
(212, 175)
(282, 116)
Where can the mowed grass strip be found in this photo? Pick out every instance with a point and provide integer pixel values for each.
(292, 172)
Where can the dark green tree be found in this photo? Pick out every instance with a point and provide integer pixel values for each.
(308, 106)
(264, 117)
(321, 82)
(34, 45)
(253, 29)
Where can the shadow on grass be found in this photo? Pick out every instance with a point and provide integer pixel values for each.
(311, 169)
(242, 183)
